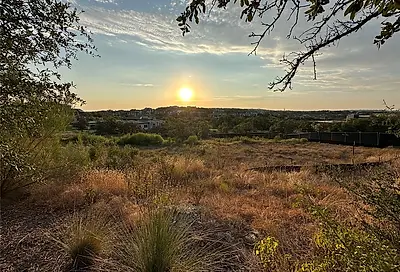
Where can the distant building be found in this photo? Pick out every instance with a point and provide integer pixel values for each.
(144, 123)
(92, 125)
(357, 116)
(149, 124)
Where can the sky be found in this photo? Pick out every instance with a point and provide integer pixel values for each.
(145, 61)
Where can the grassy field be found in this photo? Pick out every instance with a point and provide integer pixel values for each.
(234, 219)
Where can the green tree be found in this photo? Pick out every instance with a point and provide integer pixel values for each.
(37, 38)
(182, 128)
(331, 22)
(112, 126)
(81, 122)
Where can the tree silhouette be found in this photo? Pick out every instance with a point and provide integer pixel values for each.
(331, 22)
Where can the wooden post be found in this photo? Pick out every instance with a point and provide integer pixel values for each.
(354, 149)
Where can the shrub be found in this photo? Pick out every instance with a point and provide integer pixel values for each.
(141, 139)
(244, 139)
(192, 140)
(249, 140)
(121, 157)
(295, 141)
(169, 141)
(92, 139)
(341, 248)
(15, 170)
(84, 138)
(378, 190)
(65, 162)
(164, 241)
(113, 156)
(24, 165)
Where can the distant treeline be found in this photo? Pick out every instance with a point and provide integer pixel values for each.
(183, 126)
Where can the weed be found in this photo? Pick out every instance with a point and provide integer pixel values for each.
(224, 186)
(266, 250)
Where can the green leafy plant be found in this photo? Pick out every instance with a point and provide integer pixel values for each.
(28, 159)
(266, 251)
(343, 248)
(35, 105)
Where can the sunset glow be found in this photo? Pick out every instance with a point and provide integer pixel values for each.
(185, 94)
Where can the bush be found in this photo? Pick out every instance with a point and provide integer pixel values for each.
(295, 141)
(340, 248)
(113, 156)
(378, 190)
(30, 152)
(141, 139)
(91, 139)
(169, 141)
(84, 139)
(15, 170)
(192, 140)
(24, 165)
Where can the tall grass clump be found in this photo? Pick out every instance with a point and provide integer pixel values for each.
(83, 241)
(181, 170)
(163, 240)
(141, 139)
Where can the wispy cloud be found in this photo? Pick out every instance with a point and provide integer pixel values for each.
(354, 66)
(138, 84)
(219, 33)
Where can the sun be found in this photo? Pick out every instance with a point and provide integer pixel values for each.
(185, 94)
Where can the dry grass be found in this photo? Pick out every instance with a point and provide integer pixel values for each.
(214, 177)
(84, 238)
(105, 182)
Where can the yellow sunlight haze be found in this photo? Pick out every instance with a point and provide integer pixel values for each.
(185, 94)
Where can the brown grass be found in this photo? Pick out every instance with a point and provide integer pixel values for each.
(214, 177)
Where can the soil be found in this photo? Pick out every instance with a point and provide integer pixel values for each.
(25, 242)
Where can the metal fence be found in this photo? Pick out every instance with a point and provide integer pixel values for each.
(372, 139)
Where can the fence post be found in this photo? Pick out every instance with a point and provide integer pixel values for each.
(377, 139)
